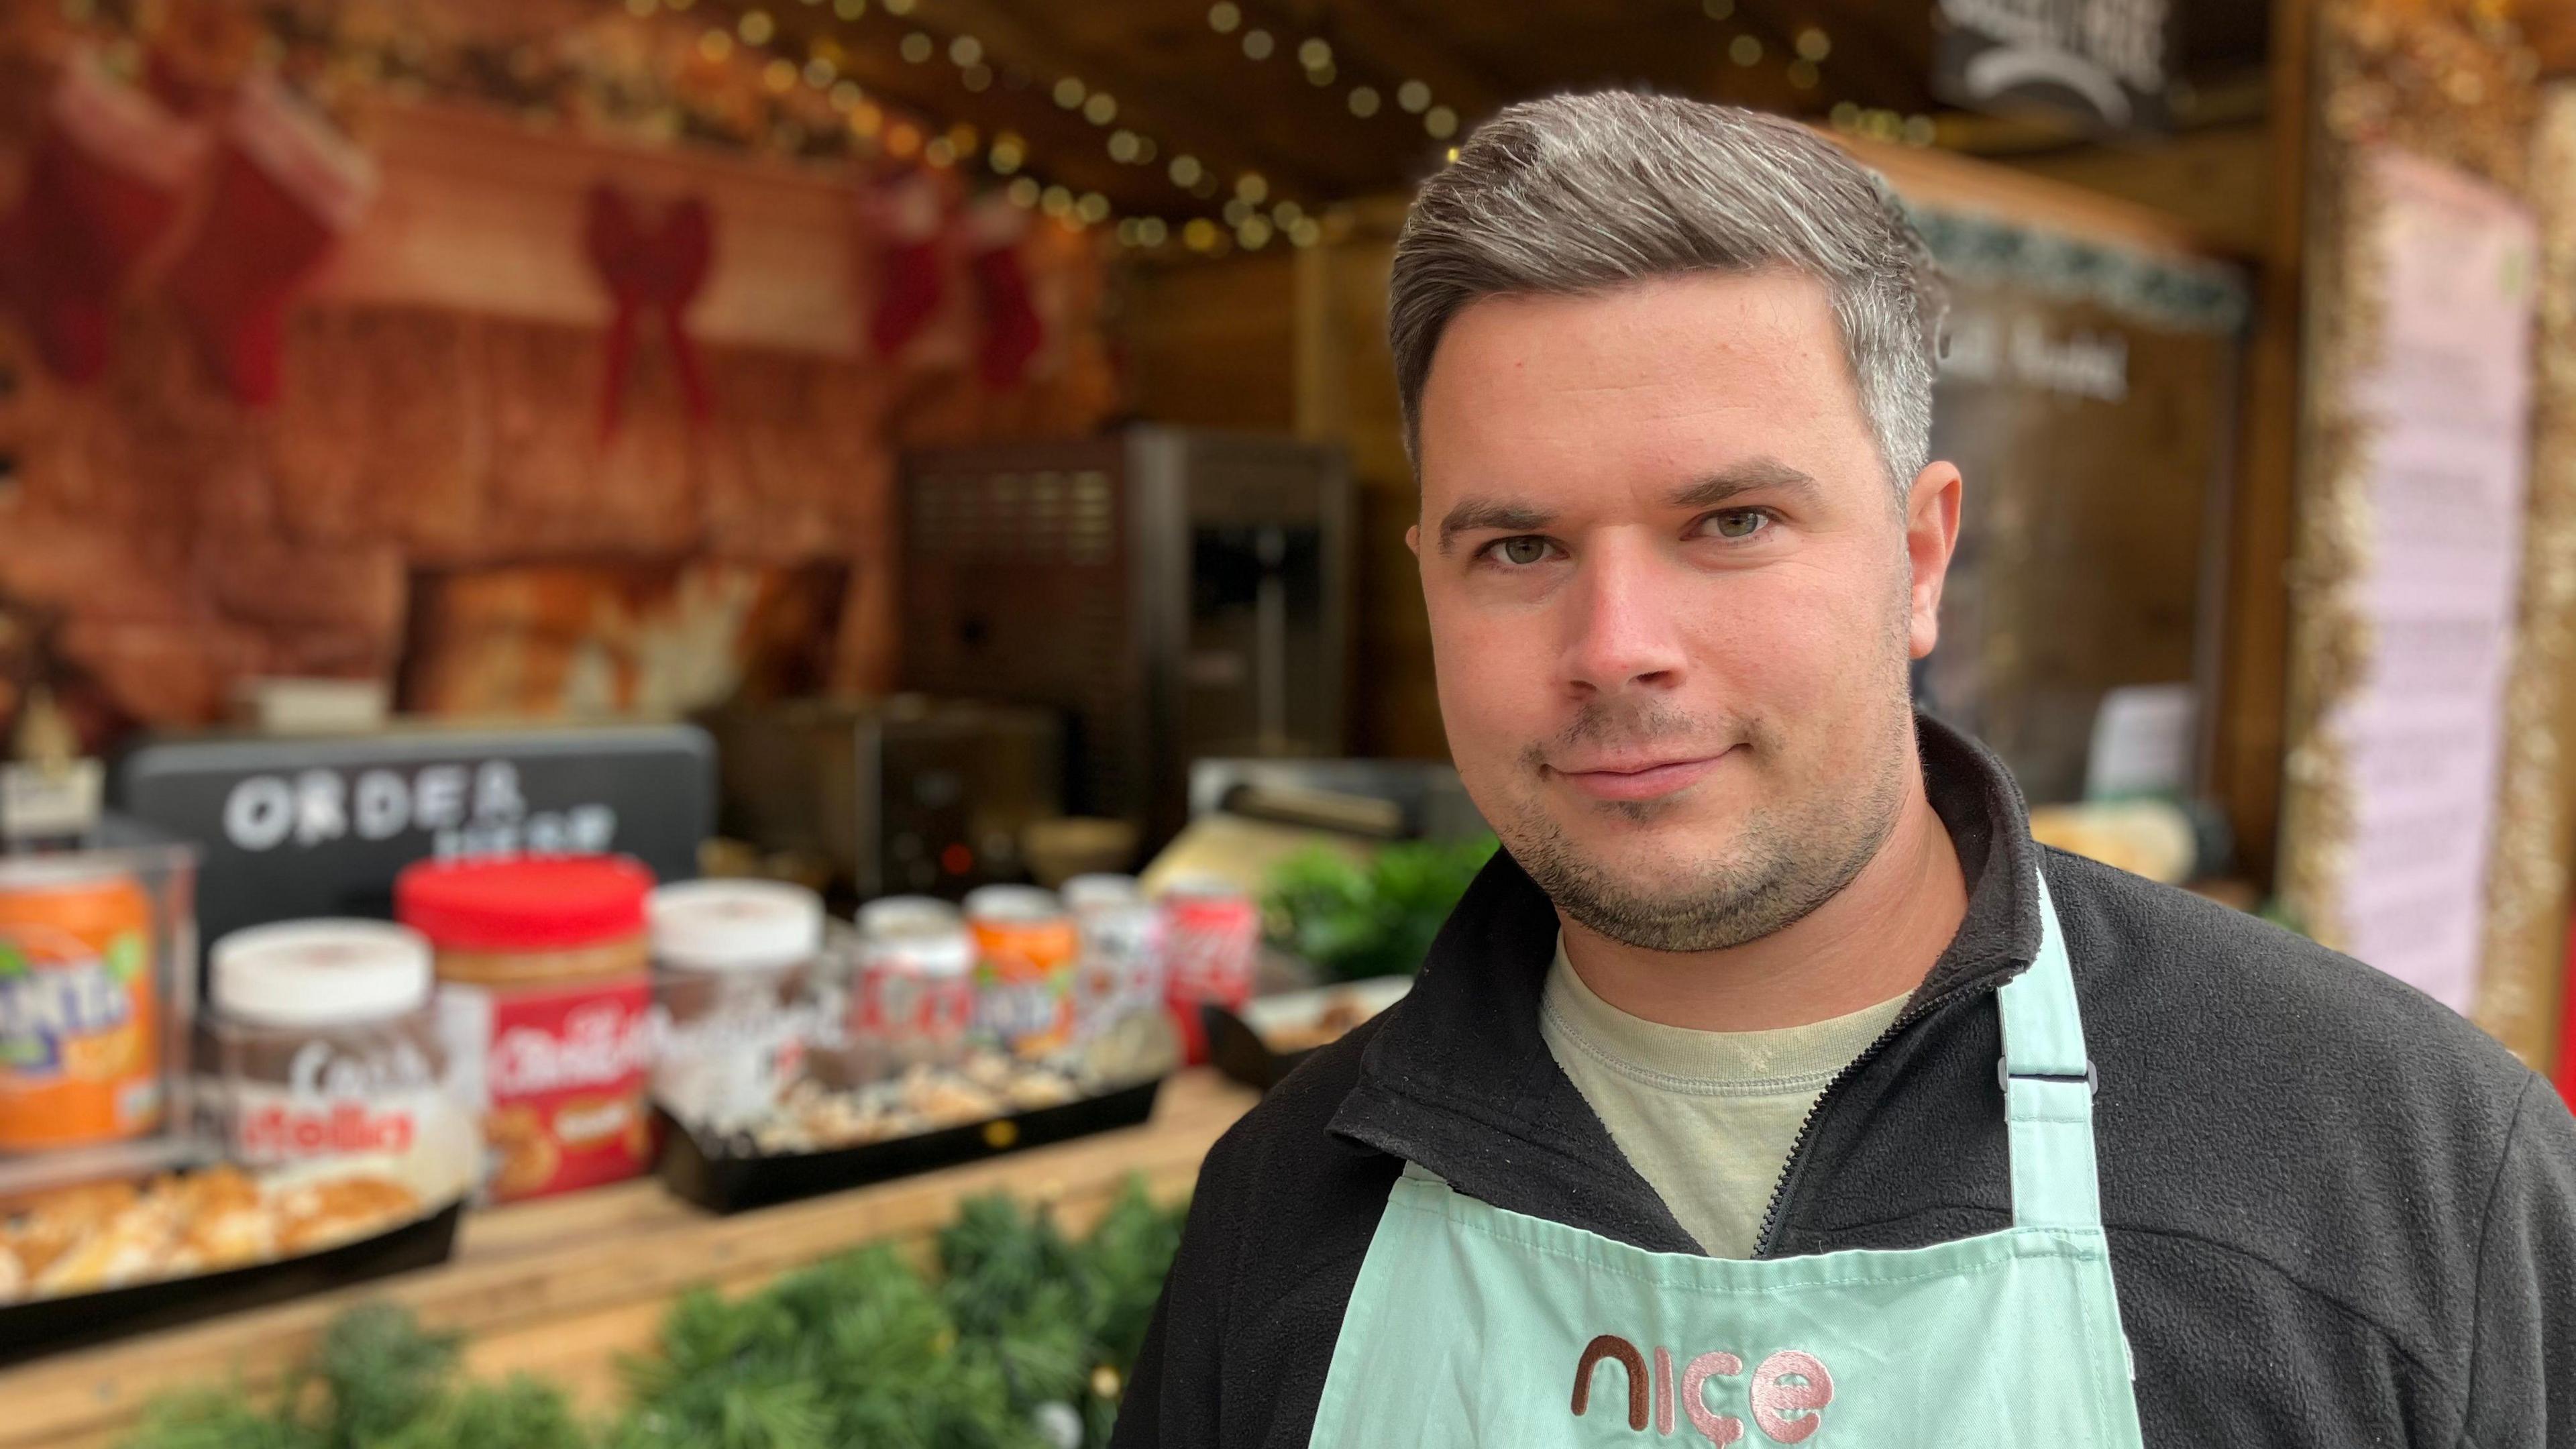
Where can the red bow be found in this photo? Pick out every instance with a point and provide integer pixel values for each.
(659, 270)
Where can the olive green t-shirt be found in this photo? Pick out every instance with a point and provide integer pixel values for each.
(1708, 1118)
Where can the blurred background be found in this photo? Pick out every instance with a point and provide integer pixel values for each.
(724, 613)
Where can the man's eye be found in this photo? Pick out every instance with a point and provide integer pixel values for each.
(1520, 552)
(1738, 522)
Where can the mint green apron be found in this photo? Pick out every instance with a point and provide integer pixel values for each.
(1474, 1326)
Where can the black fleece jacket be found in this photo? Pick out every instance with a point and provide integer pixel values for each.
(2339, 1214)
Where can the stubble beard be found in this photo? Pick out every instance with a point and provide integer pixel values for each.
(1781, 864)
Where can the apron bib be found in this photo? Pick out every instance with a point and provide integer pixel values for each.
(1472, 1326)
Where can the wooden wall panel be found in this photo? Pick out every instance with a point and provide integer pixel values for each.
(2247, 729)
(2218, 180)
(1207, 343)
(1347, 396)
(479, 213)
(442, 411)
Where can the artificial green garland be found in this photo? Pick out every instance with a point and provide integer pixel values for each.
(1023, 1341)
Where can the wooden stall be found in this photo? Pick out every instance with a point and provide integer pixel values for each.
(564, 367)
(563, 1288)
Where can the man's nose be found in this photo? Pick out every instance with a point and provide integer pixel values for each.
(1623, 629)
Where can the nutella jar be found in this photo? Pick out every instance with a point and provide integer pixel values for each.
(329, 1058)
(545, 1001)
(733, 965)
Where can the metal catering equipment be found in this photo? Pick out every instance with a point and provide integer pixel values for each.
(1177, 594)
(1388, 799)
(905, 794)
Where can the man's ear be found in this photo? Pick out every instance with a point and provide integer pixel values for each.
(1413, 538)
(1931, 536)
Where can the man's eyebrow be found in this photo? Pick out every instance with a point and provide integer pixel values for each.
(1737, 479)
(1475, 515)
(1479, 515)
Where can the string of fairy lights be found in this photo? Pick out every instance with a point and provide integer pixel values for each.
(1314, 55)
(768, 76)
(1807, 52)
(1250, 216)
(1008, 155)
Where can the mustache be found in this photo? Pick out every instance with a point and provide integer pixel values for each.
(1617, 723)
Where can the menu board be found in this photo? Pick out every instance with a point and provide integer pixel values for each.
(2441, 397)
(292, 827)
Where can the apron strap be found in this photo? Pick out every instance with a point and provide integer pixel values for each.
(2048, 1090)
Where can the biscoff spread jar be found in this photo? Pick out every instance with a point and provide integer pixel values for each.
(329, 1058)
(733, 966)
(545, 1005)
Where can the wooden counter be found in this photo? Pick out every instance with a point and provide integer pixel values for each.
(563, 1286)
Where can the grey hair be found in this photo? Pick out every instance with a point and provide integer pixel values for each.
(1582, 193)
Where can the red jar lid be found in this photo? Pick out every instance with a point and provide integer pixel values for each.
(524, 903)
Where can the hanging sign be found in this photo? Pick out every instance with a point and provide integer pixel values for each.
(2101, 62)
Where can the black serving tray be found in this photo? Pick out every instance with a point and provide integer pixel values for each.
(50, 1325)
(1235, 1049)
(728, 1184)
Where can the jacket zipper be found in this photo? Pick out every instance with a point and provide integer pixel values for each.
(1914, 1012)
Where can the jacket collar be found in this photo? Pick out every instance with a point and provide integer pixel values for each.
(1458, 1080)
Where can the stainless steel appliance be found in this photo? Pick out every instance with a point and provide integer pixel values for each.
(1178, 594)
(896, 795)
(1412, 799)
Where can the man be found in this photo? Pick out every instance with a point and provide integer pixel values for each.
(1773, 1085)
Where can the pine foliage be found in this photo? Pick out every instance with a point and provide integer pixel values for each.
(1022, 1335)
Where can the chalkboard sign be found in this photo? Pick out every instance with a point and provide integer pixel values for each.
(300, 827)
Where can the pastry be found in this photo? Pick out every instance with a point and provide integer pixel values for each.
(339, 1210)
(525, 1153)
(1031, 1090)
(228, 1222)
(127, 1248)
(945, 1102)
(107, 1235)
(639, 1135)
(228, 1238)
(46, 1227)
(989, 1069)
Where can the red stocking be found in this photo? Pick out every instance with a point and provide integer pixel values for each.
(286, 189)
(907, 213)
(1013, 331)
(104, 181)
